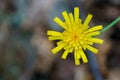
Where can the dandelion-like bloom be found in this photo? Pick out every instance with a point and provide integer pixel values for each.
(76, 37)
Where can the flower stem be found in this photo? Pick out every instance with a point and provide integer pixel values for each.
(110, 25)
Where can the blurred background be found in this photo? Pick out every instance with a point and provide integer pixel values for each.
(25, 52)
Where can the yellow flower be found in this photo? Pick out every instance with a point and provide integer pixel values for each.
(76, 37)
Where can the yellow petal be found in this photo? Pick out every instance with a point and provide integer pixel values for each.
(76, 14)
(66, 52)
(67, 46)
(88, 19)
(58, 48)
(94, 33)
(77, 61)
(53, 33)
(54, 38)
(95, 28)
(59, 22)
(94, 50)
(90, 42)
(84, 58)
(71, 49)
(61, 43)
(96, 40)
(71, 17)
(86, 22)
(78, 54)
(80, 23)
(66, 17)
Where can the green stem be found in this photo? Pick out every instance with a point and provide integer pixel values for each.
(110, 25)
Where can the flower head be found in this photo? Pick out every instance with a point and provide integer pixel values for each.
(76, 37)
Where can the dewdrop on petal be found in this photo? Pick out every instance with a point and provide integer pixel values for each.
(76, 37)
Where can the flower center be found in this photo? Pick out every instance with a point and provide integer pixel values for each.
(75, 37)
(71, 37)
